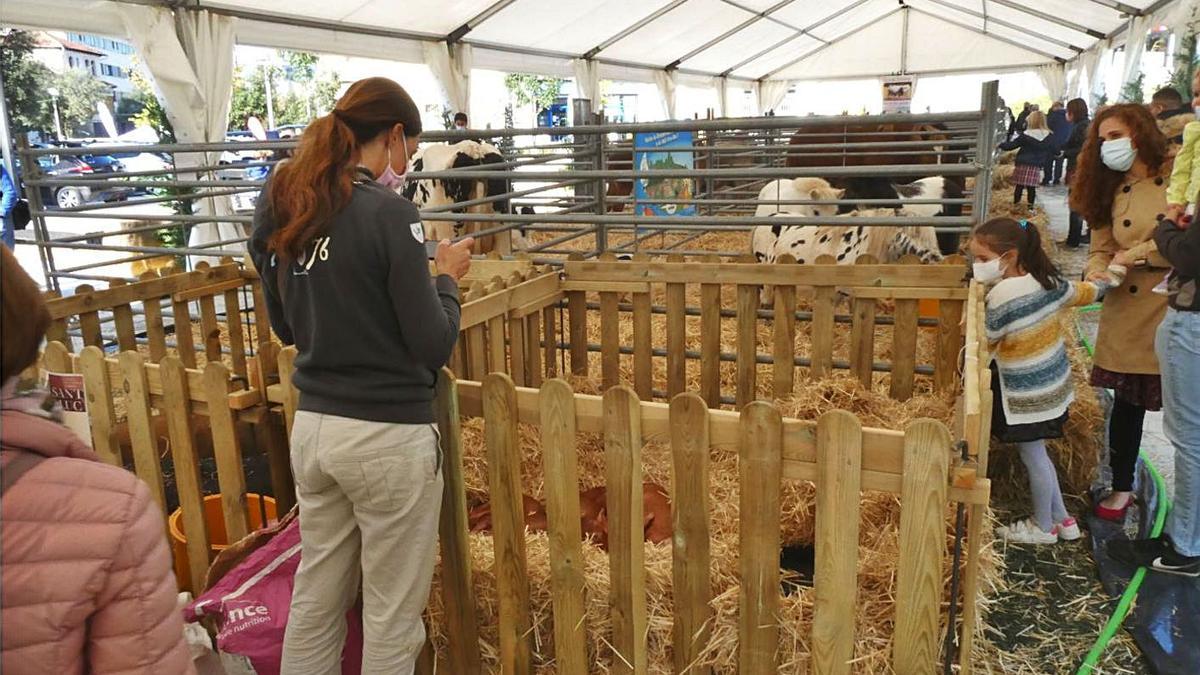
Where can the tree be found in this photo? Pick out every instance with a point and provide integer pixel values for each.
(537, 90)
(1134, 90)
(1185, 65)
(249, 96)
(25, 81)
(152, 114)
(300, 66)
(78, 93)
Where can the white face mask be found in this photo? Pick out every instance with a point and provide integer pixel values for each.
(989, 272)
(1118, 154)
(1196, 111)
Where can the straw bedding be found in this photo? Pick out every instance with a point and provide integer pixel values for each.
(878, 549)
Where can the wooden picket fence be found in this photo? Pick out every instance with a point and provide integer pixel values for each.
(520, 323)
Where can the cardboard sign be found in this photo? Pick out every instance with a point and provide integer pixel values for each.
(68, 390)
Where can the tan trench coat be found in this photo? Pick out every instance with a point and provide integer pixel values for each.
(1131, 311)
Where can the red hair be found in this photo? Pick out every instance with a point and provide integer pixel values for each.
(1095, 185)
(307, 190)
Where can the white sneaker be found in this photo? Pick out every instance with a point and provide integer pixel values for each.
(1067, 530)
(1026, 532)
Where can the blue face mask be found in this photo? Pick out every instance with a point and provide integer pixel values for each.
(1118, 154)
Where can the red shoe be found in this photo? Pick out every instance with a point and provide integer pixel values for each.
(1114, 515)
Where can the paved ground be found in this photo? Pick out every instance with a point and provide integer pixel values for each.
(1154, 441)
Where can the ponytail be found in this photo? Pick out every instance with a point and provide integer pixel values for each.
(1005, 234)
(306, 191)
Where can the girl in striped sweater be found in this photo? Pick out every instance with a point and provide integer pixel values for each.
(1031, 375)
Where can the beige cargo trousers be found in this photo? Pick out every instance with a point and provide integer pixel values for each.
(369, 495)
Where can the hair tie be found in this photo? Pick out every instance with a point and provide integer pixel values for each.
(339, 114)
(1023, 223)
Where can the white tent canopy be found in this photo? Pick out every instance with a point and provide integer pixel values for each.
(741, 39)
(760, 45)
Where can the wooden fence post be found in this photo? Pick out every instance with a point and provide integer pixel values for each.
(458, 594)
(231, 476)
(626, 538)
(98, 389)
(760, 472)
(784, 345)
(557, 409)
(835, 579)
(922, 546)
(508, 522)
(676, 335)
(142, 438)
(822, 326)
(177, 408)
(747, 344)
(904, 349)
(643, 362)
(710, 341)
(691, 581)
(610, 340)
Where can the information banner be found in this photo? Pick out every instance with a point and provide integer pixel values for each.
(655, 153)
(898, 94)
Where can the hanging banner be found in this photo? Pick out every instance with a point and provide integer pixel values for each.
(897, 94)
(67, 389)
(654, 153)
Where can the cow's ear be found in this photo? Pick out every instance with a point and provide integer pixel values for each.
(775, 229)
(841, 193)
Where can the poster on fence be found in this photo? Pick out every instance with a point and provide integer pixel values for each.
(654, 152)
(67, 389)
(898, 94)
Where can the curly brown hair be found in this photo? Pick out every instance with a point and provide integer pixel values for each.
(1094, 185)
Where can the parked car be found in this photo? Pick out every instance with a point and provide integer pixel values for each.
(69, 196)
(99, 163)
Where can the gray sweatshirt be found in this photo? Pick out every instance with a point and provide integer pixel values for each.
(371, 327)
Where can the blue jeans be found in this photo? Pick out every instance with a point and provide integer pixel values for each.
(1178, 347)
(8, 235)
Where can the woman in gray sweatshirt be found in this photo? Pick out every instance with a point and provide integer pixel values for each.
(346, 277)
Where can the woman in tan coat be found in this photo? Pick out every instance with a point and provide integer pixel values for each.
(1120, 190)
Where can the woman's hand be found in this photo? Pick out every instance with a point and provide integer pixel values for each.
(1175, 212)
(1123, 259)
(1100, 277)
(453, 259)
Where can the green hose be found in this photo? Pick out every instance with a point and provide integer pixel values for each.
(1160, 518)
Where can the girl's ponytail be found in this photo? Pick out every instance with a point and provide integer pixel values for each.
(1005, 234)
(306, 191)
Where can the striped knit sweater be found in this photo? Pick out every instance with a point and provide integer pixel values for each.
(1026, 342)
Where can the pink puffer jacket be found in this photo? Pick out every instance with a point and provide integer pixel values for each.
(85, 582)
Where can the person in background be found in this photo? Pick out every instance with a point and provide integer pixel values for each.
(1060, 130)
(460, 121)
(364, 447)
(1120, 189)
(8, 200)
(86, 583)
(1018, 124)
(1172, 115)
(1185, 178)
(1177, 551)
(1077, 114)
(1033, 150)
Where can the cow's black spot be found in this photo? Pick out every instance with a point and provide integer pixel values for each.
(847, 236)
(759, 256)
(841, 256)
(775, 230)
(824, 238)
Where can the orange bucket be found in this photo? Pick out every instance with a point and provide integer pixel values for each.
(214, 522)
(927, 308)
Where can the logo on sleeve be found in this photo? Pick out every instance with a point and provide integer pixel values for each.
(418, 232)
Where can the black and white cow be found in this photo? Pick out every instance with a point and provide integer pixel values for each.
(846, 243)
(935, 187)
(431, 192)
(762, 238)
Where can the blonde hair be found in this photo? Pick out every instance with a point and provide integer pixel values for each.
(1036, 120)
